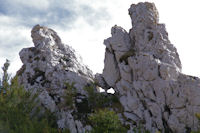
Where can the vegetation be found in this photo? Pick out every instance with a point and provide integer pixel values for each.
(5, 78)
(99, 100)
(19, 112)
(141, 129)
(106, 121)
(198, 117)
(102, 119)
(70, 95)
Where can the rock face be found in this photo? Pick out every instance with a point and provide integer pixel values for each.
(141, 65)
(46, 68)
(144, 68)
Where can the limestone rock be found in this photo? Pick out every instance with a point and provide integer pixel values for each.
(111, 70)
(141, 65)
(145, 69)
(47, 67)
(100, 81)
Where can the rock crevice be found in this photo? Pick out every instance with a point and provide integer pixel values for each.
(141, 65)
(151, 86)
(47, 67)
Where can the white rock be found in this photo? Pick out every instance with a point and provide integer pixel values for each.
(47, 101)
(46, 69)
(125, 72)
(110, 71)
(142, 66)
(150, 83)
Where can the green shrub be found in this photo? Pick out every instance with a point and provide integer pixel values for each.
(70, 95)
(140, 129)
(98, 100)
(5, 73)
(197, 115)
(19, 111)
(198, 131)
(5, 78)
(106, 121)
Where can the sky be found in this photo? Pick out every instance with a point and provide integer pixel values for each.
(84, 24)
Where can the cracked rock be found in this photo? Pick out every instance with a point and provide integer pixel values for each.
(145, 69)
(47, 67)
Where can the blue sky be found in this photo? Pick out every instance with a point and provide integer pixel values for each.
(50, 12)
(17, 17)
(84, 24)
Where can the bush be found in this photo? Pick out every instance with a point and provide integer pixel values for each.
(19, 111)
(98, 100)
(5, 78)
(70, 95)
(141, 129)
(106, 121)
(197, 115)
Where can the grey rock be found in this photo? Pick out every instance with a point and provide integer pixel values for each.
(111, 70)
(141, 65)
(144, 68)
(101, 82)
(47, 67)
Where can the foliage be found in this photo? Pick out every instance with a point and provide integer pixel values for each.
(102, 119)
(106, 121)
(98, 100)
(70, 95)
(4, 83)
(141, 129)
(198, 117)
(196, 131)
(19, 111)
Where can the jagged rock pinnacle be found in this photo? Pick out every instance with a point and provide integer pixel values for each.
(145, 13)
(43, 36)
(47, 67)
(144, 68)
(141, 65)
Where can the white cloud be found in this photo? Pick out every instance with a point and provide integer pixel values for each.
(85, 24)
(13, 38)
(38, 4)
(15, 30)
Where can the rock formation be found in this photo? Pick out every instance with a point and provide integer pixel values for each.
(47, 67)
(144, 68)
(141, 65)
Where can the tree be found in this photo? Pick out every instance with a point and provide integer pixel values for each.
(20, 111)
(6, 76)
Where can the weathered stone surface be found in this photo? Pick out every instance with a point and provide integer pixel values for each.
(111, 70)
(141, 65)
(101, 82)
(47, 67)
(145, 69)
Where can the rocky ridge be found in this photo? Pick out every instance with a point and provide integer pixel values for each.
(141, 65)
(144, 68)
(47, 67)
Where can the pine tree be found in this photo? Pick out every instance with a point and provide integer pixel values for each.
(6, 76)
